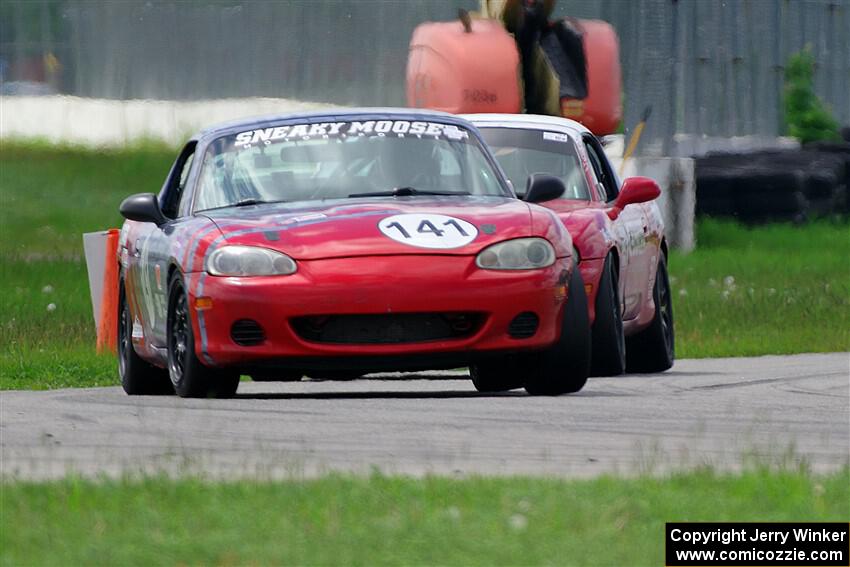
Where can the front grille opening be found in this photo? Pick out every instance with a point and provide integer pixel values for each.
(247, 332)
(390, 328)
(524, 325)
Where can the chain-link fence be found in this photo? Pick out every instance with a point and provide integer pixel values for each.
(708, 68)
(712, 68)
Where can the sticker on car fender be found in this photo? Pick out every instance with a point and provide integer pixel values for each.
(138, 332)
(428, 230)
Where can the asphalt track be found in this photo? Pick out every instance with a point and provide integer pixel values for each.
(721, 412)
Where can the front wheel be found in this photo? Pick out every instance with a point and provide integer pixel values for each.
(138, 377)
(499, 375)
(190, 377)
(564, 367)
(653, 349)
(609, 343)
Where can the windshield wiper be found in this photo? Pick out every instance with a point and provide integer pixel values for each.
(242, 203)
(407, 192)
(250, 201)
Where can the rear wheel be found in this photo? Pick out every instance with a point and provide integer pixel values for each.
(138, 377)
(190, 377)
(609, 344)
(564, 367)
(653, 349)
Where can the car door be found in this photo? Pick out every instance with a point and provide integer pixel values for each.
(151, 249)
(628, 230)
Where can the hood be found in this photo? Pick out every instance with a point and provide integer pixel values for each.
(377, 226)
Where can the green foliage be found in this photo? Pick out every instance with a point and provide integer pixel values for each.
(806, 117)
(379, 520)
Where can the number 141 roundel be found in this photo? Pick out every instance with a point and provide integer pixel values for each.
(428, 230)
(344, 242)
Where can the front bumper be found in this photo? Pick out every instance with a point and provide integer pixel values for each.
(375, 285)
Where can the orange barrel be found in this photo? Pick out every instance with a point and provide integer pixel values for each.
(459, 71)
(602, 110)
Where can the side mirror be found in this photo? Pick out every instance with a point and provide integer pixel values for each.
(541, 187)
(634, 190)
(142, 207)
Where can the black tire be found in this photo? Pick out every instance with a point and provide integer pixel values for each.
(190, 377)
(762, 195)
(607, 339)
(715, 192)
(138, 377)
(564, 367)
(654, 348)
(497, 375)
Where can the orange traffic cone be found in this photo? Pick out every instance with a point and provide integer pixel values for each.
(107, 329)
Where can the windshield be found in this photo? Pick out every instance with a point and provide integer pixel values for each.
(337, 160)
(522, 152)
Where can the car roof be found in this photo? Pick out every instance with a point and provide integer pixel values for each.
(331, 114)
(530, 121)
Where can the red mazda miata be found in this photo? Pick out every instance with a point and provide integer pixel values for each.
(338, 243)
(616, 227)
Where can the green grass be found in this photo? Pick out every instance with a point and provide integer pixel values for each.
(43, 348)
(774, 289)
(52, 195)
(340, 520)
(791, 290)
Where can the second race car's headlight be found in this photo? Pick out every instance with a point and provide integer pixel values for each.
(249, 261)
(519, 254)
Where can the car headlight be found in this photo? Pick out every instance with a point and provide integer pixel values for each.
(249, 261)
(519, 254)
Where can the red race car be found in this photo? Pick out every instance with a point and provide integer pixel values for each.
(616, 227)
(341, 243)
